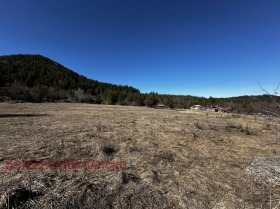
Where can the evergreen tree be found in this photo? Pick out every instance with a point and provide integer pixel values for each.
(151, 99)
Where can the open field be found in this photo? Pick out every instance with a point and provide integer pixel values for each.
(175, 159)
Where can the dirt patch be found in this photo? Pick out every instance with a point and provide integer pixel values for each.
(109, 151)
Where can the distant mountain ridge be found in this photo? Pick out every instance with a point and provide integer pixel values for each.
(35, 78)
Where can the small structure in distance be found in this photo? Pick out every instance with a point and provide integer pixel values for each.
(196, 107)
(160, 105)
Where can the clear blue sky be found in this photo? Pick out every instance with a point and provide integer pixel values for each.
(198, 47)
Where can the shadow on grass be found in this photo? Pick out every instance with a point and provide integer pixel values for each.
(21, 115)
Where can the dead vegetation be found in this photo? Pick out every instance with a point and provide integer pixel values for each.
(175, 159)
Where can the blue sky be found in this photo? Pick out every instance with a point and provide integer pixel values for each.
(204, 48)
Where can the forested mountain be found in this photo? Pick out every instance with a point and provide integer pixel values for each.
(38, 78)
(34, 78)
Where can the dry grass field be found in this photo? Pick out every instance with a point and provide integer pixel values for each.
(175, 158)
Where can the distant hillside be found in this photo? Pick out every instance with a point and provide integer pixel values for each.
(35, 78)
(41, 79)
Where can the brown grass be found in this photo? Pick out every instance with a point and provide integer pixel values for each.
(175, 159)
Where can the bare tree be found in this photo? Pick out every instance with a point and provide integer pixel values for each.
(79, 94)
(275, 100)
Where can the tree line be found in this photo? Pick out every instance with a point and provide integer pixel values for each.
(34, 78)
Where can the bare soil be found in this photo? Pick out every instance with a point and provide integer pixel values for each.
(175, 158)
